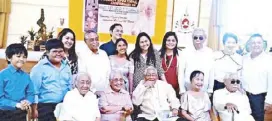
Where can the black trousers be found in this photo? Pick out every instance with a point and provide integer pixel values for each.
(257, 105)
(46, 111)
(143, 119)
(218, 85)
(12, 115)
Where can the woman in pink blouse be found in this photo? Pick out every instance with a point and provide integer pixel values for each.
(115, 103)
(120, 62)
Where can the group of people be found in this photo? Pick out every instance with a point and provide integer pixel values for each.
(104, 83)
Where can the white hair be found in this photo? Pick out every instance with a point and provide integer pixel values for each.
(77, 76)
(229, 76)
(150, 68)
(114, 73)
(199, 30)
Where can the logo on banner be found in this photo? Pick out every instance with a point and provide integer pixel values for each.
(185, 24)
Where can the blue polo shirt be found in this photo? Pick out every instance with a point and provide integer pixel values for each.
(15, 86)
(108, 47)
(50, 83)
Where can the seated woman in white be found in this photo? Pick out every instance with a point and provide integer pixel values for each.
(80, 104)
(230, 103)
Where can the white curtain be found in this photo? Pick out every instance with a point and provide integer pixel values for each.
(245, 17)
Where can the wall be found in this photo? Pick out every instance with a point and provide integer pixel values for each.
(25, 13)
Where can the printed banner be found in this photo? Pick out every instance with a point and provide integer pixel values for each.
(134, 15)
(90, 16)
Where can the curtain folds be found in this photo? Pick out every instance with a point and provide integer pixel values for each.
(5, 8)
(214, 27)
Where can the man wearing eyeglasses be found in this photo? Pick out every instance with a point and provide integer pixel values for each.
(257, 77)
(231, 103)
(115, 102)
(155, 98)
(95, 62)
(201, 58)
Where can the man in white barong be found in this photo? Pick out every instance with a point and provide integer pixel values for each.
(155, 98)
(257, 77)
(230, 102)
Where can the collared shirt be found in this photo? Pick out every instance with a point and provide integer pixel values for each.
(257, 75)
(50, 83)
(97, 65)
(222, 96)
(201, 60)
(228, 64)
(15, 86)
(154, 100)
(76, 107)
(108, 47)
(112, 98)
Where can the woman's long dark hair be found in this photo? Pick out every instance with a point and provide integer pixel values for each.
(136, 53)
(72, 51)
(163, 48)
(121, 40)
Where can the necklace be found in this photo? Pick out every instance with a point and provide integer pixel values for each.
(170, 62)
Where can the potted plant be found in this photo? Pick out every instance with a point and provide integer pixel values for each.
(23, 39)
(32, 33)
(37, 43)
(50, 33)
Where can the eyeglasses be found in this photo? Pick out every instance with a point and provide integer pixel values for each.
(116, 80)
(235, 81)
(200, 37)
(151, 75)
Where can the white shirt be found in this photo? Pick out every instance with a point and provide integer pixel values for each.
(97, 65)
(257, 75)
(222, 96)
(226, 64)
(75, 107)
(201, 60)
(154, 100)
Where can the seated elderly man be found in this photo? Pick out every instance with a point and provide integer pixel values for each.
(230, 103)
(80, 104)
(156, 99)
(115, 103)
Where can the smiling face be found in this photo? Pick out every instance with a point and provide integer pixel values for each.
(55, 55)
(198, 37)
(68, 40)
(117, 32)
(121, 47)
(144, 43)
(171, 43)
(17, 60)
(230, 44)
(197, 81)
(92, 41)
(83, 84)
(117, 82)
(151, 75)
(256, 45)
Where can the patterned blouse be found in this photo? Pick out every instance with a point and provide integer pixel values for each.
(125, 68)
(73, 64)
(139, 68)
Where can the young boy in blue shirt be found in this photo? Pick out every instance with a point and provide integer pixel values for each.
(16, 88)
(52, 79)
